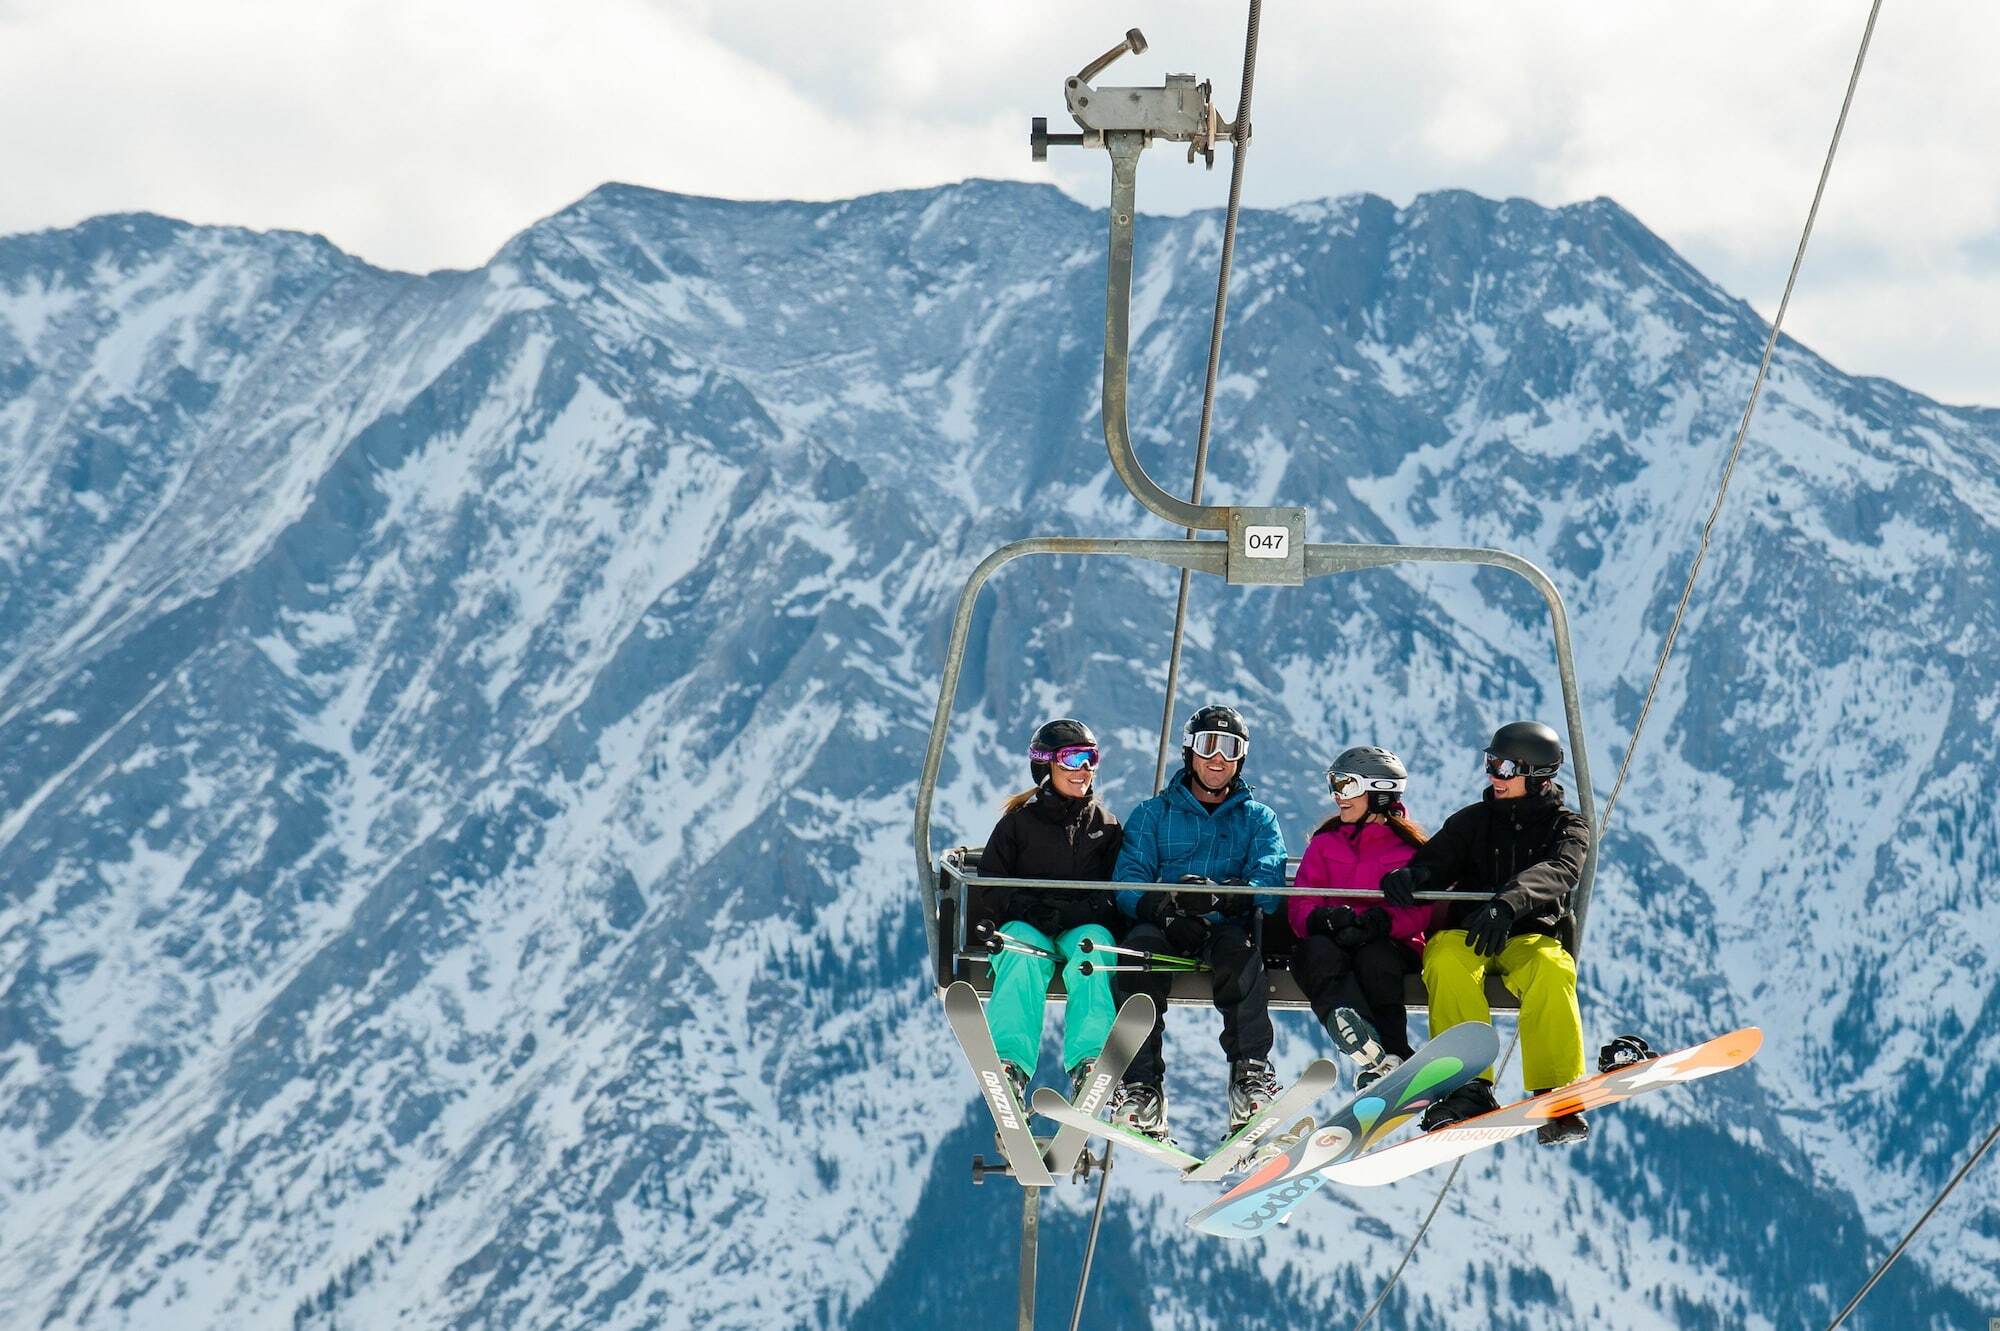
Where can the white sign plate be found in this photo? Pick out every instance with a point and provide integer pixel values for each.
(1267, 542)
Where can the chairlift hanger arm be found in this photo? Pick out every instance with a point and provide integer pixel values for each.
(1123, 121)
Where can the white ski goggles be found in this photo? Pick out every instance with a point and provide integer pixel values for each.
(1348, 786)
(1213, 743)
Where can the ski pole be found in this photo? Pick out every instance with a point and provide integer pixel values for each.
(1165, 958)
(996, 940)
(1095, 968)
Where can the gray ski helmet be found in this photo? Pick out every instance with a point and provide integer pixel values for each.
(1536, 747)
(1062, 733)
(1383, 771)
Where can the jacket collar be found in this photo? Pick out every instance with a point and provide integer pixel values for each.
(1179, 791)
(1547, 802)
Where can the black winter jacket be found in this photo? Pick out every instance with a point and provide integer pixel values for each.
(1052, 836)
(1528, 852)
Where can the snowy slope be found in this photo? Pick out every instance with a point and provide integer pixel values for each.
(459, 738)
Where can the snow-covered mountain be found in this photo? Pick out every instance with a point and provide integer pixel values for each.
(458, 739)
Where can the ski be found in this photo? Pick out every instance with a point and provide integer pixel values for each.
(1606, 1088)
(1121, 1045)
(1051, 1105)
(1267, 1196)
(1010, 1117)
(1319, 1077)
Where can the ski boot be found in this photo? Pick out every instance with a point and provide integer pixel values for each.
(1623, 1052)
(1468, 1101)
(1142, 1107)
(1018, 1078)
(1079, 1077)
(1252, 1086)
(1377, 1070)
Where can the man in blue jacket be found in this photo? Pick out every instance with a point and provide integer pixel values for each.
(1203, 828)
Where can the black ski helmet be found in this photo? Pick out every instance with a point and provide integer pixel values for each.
(1062, 733)
(1215, 717)
(1383, 772)
(1536, 747)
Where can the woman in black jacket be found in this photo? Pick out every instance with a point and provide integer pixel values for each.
(1056, 830)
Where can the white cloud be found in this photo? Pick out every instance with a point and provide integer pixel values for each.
(425, 133)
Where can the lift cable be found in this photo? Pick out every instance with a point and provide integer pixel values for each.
(1239, 149)
(1897, 1251)
(1694, 571)
(1743, 427)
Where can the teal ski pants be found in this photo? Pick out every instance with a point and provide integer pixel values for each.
(1021, 987)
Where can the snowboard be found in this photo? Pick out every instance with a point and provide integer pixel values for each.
(1606, 1088)
(1267, 1196)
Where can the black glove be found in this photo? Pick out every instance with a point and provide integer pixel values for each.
(1371, 925)
(1197, 903)
(986, 934)
(1328, 921)
(1400, 886)
(1187, 934)
(1042, 915)
(1155, 908)
(1488, 929)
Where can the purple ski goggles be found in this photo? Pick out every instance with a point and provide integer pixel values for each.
(1071, 757)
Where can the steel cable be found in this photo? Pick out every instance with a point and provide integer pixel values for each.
(1694, 571)
(1897, 1251)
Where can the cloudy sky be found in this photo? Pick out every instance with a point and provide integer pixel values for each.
(423, 133)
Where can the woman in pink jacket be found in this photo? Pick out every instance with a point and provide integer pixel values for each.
(1355, 950)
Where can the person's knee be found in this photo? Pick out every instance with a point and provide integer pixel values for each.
(1315, 955)
(1072, 943)
(1449, 960)
(1547, 970)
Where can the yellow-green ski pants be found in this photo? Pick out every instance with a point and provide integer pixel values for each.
(1539, 972)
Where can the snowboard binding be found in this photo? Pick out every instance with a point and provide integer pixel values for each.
(1623, 1052)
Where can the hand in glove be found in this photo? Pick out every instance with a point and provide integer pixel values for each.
(1400, 886)
(1329, 921)
(1197, 903)
(1042, 915)
(1369, 926)
(1488, 929)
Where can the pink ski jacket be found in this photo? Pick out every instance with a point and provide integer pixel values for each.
(1338, 858)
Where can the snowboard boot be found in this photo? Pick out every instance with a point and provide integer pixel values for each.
(1468, 1101)
(1252, 1086)
(1377, 1070)
(1563, 1130)
(1354, 1035)
(1142, 1107)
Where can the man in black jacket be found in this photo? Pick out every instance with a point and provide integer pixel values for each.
(1518, 853)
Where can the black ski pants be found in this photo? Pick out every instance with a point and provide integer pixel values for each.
(1368, 979)
(1235, 955)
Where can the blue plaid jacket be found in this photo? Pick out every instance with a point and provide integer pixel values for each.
(1173, 834)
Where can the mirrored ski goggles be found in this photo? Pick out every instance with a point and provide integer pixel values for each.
(1072, 758)
(1348, 786)
(1213, 743)
(1505, 768)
